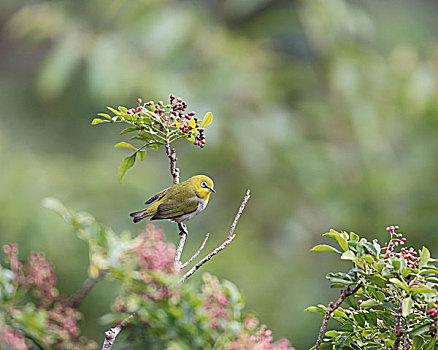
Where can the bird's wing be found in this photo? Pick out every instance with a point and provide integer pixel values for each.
(158, 196)
(173, 208)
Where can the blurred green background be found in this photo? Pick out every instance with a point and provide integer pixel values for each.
(326, 110)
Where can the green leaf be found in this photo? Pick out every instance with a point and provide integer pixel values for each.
(354, 237)
(141, 155)
(126, 163)
(57, 207)
(125, 131)
(124, 144)
(368, 258)
(369, 303)
(332, 234)
(98, 121)
(154, 145)
(123, 109)
(324, 248)
(407, 306)
(377, 280)
(386, 317)
(348, 255)
(396, 264)
(420, 329)
(360, 319)
(339, 312)
(371, 318)
(342, 242)
(314, 309)
(381, 296)
(378, 266)
(341, 278)
(144, 136)
(115, 111)
(429, 270)
(417, 342)
(332, 334)
(424, 257)
(421, 290)
(401, 284)
(208, 118)
(430, 345)
(370, 249)
(104, 115)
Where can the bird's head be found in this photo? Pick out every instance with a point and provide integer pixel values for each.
(203, 186)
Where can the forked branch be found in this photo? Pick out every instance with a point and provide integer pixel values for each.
(229, 239)
(197, 252)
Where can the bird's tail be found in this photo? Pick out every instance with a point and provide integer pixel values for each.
(141, 214)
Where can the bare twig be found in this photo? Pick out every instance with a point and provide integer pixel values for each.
(330, 309)
(239, 213)
(110, 336)
(229, 239)
(182, 240)
(207, 258)
(89, 283)
(174, 171)
(398, 331)
(197, 252)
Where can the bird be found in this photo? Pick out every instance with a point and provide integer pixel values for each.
(178, 203)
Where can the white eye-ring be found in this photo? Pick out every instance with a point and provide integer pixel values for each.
(203, 184)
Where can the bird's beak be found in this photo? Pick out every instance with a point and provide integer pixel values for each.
(212, 190)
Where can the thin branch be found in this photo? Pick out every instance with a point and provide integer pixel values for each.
(330, 309)
(398, 331)
(182, 240)
(207, 258)
(197, 252)
(174, 171)
(230, 238)
(406, 345)
(110, 336)
(89, 283)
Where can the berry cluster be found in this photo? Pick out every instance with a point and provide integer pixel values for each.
(432, 312)
(409, 254)
(173, 115)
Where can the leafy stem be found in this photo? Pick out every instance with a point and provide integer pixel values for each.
(161, 123)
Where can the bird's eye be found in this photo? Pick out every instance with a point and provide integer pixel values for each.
(203, 184)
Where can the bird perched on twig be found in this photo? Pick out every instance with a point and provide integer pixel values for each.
(180, 202)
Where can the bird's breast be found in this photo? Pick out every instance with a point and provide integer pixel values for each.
(201, 206)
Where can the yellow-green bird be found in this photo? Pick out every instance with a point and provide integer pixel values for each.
(180, 202)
